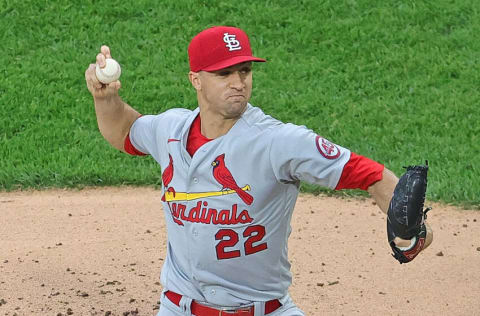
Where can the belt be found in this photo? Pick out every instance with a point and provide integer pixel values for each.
(203, 310)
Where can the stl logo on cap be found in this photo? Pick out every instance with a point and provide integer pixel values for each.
(231, 41)
(219, 47)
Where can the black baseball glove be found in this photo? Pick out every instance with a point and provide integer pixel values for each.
(406, 216)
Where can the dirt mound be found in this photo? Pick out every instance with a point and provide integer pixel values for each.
(100, 251)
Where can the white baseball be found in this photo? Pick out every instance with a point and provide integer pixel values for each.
(110, 73)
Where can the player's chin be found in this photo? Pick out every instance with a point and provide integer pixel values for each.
(236, 108)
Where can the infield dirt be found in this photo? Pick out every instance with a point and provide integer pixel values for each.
(100, 251)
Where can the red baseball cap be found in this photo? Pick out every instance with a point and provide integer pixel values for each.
(219, 47)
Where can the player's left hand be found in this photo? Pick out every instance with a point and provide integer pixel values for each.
(406, 216)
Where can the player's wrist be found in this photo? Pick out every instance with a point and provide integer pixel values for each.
(429, 236)
(108, 100)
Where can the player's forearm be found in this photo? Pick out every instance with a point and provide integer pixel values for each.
(114, 118)
(382, 191)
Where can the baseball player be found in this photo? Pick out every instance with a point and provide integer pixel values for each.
(231, 175)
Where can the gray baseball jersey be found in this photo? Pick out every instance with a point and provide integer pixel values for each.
(228, 208)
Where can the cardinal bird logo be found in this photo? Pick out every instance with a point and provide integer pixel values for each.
(167, 176)
(225, 178)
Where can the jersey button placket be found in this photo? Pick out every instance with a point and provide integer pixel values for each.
(191, 186)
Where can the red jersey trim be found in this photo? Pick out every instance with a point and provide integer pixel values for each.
(360, 173)
(195, 138)
(130, 149)
(194, 142)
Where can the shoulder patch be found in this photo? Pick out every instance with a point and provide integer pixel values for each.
(326, 148)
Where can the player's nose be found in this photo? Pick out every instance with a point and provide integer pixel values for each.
(237, 80)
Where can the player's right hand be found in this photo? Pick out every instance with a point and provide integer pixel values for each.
(96, 88)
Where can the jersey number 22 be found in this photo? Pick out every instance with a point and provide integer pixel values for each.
(229, 238)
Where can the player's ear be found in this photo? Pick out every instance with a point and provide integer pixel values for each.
(195, 80)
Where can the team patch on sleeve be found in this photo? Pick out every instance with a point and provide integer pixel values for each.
(326, 148)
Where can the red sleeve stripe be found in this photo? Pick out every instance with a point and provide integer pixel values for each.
(359, 173)
(130, 149)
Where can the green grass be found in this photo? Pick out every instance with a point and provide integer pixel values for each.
(396, 81)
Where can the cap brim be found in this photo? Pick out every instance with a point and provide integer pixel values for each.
(231, 62)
